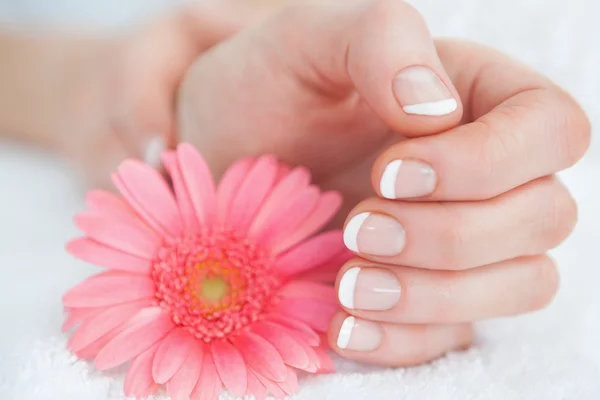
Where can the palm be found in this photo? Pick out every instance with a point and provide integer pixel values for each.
(230, 111)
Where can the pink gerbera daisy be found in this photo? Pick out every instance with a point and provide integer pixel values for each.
(207, 287)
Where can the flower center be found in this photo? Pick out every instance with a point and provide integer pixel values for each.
(213, 289)
(213, 284)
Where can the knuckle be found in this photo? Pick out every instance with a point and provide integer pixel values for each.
(561, 216)
(485, 160)
(453, 240)
(389, 12)
(493, 150)
(444, 305)
(547, 281)
(573, 126)
(418, 351)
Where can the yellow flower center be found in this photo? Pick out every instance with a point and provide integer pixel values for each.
(214, 284)
(213, 289)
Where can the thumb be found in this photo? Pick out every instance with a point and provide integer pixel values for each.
(384, 50)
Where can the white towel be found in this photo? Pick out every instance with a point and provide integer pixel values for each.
(549, 355)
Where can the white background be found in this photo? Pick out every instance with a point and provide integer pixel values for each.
(549, 355)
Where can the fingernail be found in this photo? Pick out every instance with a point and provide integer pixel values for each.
(153, 150)
(374, 234)
(407, 178)
(374, 289)
(359, 335)
(420, 91)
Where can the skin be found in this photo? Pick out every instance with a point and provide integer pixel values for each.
(328, 105)
(310, 82)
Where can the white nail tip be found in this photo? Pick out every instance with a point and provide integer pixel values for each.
(387, 186)
(153, 151)
(441, 107)
(345, 333)
(351, 231)
(346, 288)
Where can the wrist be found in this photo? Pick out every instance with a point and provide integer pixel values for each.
(80, 76)
(39, 83)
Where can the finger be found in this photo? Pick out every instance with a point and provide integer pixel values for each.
(151, 65)
(526, 221)
(410, 295)
(519, 127)
(101, 153)
(382, 49)
(394, 345)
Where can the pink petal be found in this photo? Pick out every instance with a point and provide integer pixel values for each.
(288, 218)
(290, 383)
(199, 182)
(139, 376)
(69, 323)
(292, 353)
(283, 170)
(149, 326)
(327, 276)
(151, 391)
(150, 196)
(184, 200)
(127, 236)
(96, 253)
(171, 354)
(252, 193)
(91, 351)
(325, 361)
(272, 387)
(109, 289)
(78, 315)
(107, 203)
(328, 205)
(287, 188)
(327, 273)
(255, 388)
(208, 386)
(316, 314)
(100, 324)
(303, 340)
(315, 362)
(310, 254)
(231, 366)
(181, 385)
(114, 207)
(309, 290)
(228, 187)
(261, 356)
(300, 330)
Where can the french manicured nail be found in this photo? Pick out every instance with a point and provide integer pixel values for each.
(374, 289)
(420, 91)
(403, 179)
(359, 335)
(153, 150)
(374, 234)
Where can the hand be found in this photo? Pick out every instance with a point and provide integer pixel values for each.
(120, 93)
(455, 232)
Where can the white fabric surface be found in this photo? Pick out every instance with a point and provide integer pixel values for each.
(549, 355)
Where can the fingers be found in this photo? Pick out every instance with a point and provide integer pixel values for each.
(392, 315)
(382, 49)
(395, 345)
(519, 127)
(528, 220)
(149, 67)
(142, 87)
(410, 295)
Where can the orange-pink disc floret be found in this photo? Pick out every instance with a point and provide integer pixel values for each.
(214, 284)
